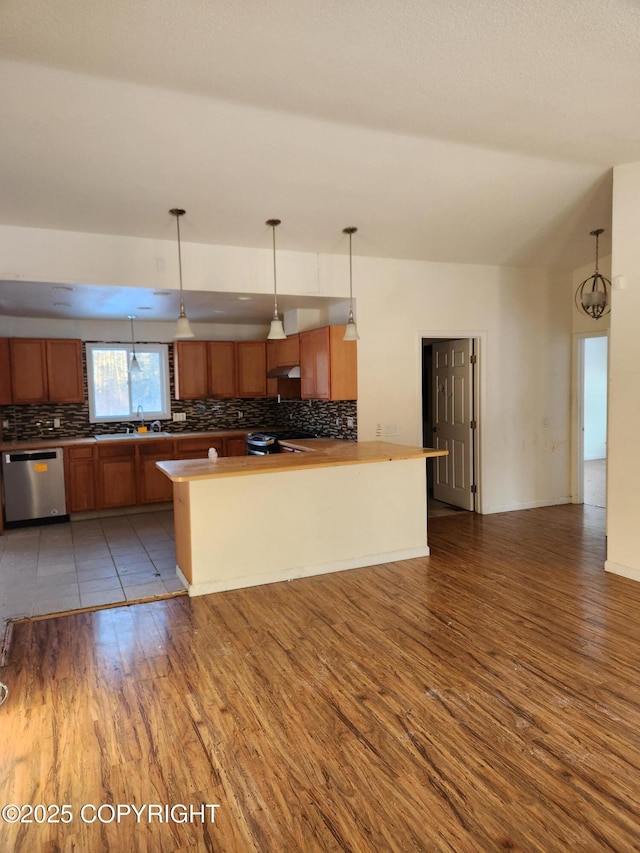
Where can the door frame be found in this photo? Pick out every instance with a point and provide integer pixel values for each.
(479, 339)
(577, 412)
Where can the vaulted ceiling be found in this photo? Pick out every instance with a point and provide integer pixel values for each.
(470, 132)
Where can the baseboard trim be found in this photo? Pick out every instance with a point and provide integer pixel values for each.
(526, 505)
(225, 584)
(624, 571)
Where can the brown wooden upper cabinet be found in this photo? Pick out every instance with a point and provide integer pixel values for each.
(220, 369)
(329, 365)
(46, 370)
(5, 373)
(251, 369)
(191, 373)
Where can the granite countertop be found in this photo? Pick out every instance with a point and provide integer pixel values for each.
(321, 452)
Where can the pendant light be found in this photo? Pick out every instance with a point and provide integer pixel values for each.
(351, 331)
(134, 366)
(593, 295)
(183, 327)
(276, 332)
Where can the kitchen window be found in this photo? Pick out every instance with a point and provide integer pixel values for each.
(115, 394)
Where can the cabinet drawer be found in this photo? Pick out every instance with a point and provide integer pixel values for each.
(74, 453)
(112, 451)
(161, 447)
(193, 448)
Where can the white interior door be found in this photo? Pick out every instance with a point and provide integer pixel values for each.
(452, 395)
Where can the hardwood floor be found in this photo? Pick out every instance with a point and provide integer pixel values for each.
(484, 699)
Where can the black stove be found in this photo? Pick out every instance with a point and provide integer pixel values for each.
(263, 443)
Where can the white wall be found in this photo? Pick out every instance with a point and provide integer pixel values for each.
(623, 469)
(525, 329)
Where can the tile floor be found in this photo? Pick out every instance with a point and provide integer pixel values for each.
(57, 567)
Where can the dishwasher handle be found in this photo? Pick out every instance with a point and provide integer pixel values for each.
(31, 455)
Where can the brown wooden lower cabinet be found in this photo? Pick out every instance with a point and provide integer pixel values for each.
(80, 478)
(235, 445)
(116, 476)
(124, 473)
(153, 486)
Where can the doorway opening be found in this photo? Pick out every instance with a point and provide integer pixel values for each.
(450, 422)
(591, 434)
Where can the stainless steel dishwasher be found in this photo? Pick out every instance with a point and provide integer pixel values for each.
(33, 485)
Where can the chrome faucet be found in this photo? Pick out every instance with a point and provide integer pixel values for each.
(140, 414)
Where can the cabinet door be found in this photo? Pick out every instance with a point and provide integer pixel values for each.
(314, 364)
(153, 486)
(251, 367)
(322, 365)
(64, 371)
(288, 351)
(5, 373)
(235, 445)
(116, 476)
(222, 368)
(307, 365)
(272, 361)
(190, 370)
(28, 370)
(343, 363)
(80, 479)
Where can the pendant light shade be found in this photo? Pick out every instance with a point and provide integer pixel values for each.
(134, 366)
(276, 331)
(593, 297)
(351, 331)
(183, 327)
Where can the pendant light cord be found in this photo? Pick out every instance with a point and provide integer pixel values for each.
(133, 340)
(180, 265)
(351, 230)
(350, 274)
(275, 279)
(272, 223)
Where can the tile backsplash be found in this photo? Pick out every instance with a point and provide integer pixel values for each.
(328, 419)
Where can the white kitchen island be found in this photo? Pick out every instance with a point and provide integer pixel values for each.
(250, 520)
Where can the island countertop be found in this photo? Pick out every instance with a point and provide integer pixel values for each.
(317, 453)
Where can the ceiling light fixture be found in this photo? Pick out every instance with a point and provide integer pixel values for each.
(134, 366)
(183, 326)
(351, 331)
(276, 331)
(593, 295)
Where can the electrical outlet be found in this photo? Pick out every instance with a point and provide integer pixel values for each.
(56, 423)
(5, 424)
(349, 423)
(240, 415)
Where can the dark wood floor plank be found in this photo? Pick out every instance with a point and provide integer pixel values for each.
(486, 698)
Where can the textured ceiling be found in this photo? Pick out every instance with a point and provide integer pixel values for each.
(472, 132)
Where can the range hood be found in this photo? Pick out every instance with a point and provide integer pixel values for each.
(291, 371)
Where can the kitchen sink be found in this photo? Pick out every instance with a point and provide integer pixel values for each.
(120, 436)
